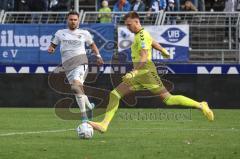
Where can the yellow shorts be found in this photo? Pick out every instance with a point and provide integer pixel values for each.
(149, 80)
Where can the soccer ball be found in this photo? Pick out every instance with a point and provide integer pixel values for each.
(85, 131)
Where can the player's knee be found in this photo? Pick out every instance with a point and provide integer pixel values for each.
(115, 93)
(76, 89)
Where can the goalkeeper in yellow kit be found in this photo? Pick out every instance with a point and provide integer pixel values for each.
(144, 76)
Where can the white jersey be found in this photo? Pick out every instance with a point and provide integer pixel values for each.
(72, 43)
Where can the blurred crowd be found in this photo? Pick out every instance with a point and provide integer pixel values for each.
(175, 5)
(36, 5)
(123, 5)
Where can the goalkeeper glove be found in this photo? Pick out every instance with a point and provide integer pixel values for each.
(129, 76)
(165, 53)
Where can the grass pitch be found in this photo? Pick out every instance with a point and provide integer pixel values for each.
(134, 133)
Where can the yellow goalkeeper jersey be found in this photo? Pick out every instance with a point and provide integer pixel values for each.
(142, 40)
(147, 77)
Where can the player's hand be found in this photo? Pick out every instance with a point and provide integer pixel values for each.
(165, 53)
(129, 75)
(51, 50)
(99, 60)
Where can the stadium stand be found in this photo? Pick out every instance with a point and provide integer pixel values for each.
(34, 17)
(214, 36)
(152, 18)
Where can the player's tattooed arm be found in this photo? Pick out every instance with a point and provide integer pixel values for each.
(51, 48)
(96, 52)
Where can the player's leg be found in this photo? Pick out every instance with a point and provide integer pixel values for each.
(89, 106)
(156, 86)
(76, 78)
(181, 100)
(120, 91)
(115, 95)
(77, 89)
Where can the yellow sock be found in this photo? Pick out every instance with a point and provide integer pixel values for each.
(182, 101)
(112, 106)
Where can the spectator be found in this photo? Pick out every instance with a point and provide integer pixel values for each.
(170, 5)
(188, 6)
(21, 5)
(99, 4)
(230, 30)
(138, 6)
(238, 5)
(201, 5)
(122, 5)
(60, 5)
(157, 5)
(147, 4)
(105, 18)
(230, 6)
(52, 4)
(215, 5)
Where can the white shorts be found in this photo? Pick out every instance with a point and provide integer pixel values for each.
(79, 73)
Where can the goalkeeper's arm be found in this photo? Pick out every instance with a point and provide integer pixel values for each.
(158, 47)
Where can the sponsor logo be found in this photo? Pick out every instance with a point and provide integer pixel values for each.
(218, 70)
(173, 35)
(42, 69)
(122, 69)
(164, 70)
(9, 39)
(157, 55)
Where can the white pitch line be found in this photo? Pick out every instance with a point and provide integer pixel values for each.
(35, 132)
(183, 129)
(161, 129)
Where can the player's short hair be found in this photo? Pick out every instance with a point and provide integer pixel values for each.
(132, 15)
(73, 13)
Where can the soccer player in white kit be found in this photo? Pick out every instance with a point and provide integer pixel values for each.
(74, 59)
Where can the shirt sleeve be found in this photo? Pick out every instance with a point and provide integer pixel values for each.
(89, 38)
(145, 41)
(55, 39)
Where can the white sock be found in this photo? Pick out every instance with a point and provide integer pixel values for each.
(87, 102)
(81, 103)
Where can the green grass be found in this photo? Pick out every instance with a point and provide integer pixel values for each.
(134, 133)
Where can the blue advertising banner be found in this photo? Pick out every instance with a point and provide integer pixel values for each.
(122, 69)
(28, 43)
(174, 38)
